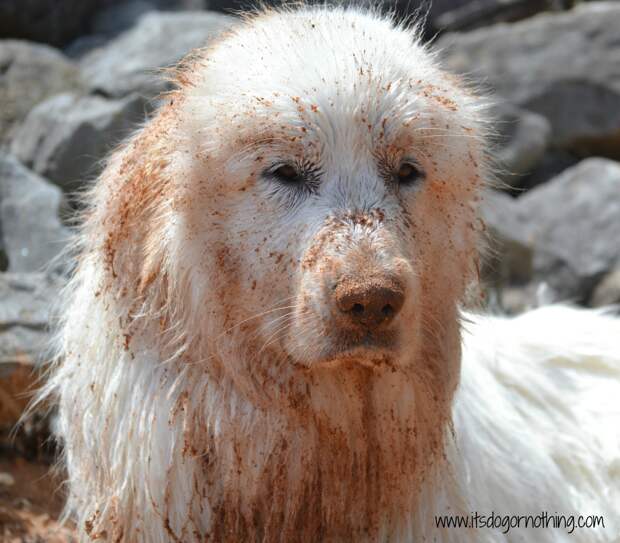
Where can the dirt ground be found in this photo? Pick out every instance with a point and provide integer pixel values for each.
(30, 504)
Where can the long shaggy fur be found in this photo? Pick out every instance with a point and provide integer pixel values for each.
(206, 391)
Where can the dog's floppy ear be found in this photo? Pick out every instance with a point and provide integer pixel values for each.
(131, 199)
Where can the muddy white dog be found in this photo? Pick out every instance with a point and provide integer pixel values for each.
(263, 339)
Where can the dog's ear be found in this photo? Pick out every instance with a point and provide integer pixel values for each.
(131, 199)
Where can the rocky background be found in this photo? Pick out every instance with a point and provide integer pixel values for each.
(77, 75)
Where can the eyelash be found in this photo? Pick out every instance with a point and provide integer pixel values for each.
(306, 179)
(391, 174)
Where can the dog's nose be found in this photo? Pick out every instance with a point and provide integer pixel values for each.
(369, 302)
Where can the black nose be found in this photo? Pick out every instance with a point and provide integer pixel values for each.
(369, 302)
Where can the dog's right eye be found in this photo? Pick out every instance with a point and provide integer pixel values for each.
(296, 180)
(287, 173)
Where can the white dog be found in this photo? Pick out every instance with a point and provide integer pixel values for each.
(263, 339)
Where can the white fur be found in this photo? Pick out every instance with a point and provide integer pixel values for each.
(537, 418)
(201, 389)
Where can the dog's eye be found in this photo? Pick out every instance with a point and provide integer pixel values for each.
(287, 173)
(408, 173)
(297, 180)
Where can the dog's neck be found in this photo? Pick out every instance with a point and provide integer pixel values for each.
(347, 462)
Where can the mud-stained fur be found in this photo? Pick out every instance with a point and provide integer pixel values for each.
(207, 389)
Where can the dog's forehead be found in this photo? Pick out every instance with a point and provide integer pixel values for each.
(346, 60)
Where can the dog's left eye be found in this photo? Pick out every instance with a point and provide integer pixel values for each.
(408, 173)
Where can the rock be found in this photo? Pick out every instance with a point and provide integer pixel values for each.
(573, 225)
(24, 338)
(24, 316)
(514, 300)
(108, 23)
(509, 258)
(30, 73)
(117, 18)
(65, 137)
(32, 234)
(553, 163)
(49, 21)
(523, 138)
(84, 45)
(552, 64)
(477, 13)
(4, 259)
(607, 292)
(130, 62)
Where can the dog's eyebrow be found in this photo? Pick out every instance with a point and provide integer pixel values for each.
(286, 137)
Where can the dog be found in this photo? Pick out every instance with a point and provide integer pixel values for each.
(264, 339)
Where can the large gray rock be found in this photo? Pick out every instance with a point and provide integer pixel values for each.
(108, 23)
(32, 234)
(516, 299)
(65, 137)
(49, 21)
(508, 260)
(27, 300)
(607, 292)
(552, 164)
(523, 138)
(573, 225)
(25, 318)
(563, 66)
(130, 63)
(30, 73)
(477, 13)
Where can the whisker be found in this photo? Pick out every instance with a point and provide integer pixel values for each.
(256, 316)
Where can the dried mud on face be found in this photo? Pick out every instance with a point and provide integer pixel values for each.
(31, 501)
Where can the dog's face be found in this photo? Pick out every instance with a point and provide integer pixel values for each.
(328, 205)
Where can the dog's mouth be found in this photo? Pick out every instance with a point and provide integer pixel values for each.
(370, 350)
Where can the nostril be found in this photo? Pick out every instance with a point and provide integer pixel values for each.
(357, 309)
(387, 311)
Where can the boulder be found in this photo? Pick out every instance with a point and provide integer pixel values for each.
(553, 163)
(514, 300)
(508, 260)
(521, 142)
(132, 61)
(25, 315)
(118, 17)
(572, 224)
(32, 234)
(24, 339)
(65, 137)
(30, 73)
(552, 64)
(108, 23)
(84, 45)
(607, 292)
(477, 13)
(49, 21)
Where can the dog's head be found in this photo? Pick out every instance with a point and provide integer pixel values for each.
(326, 174)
